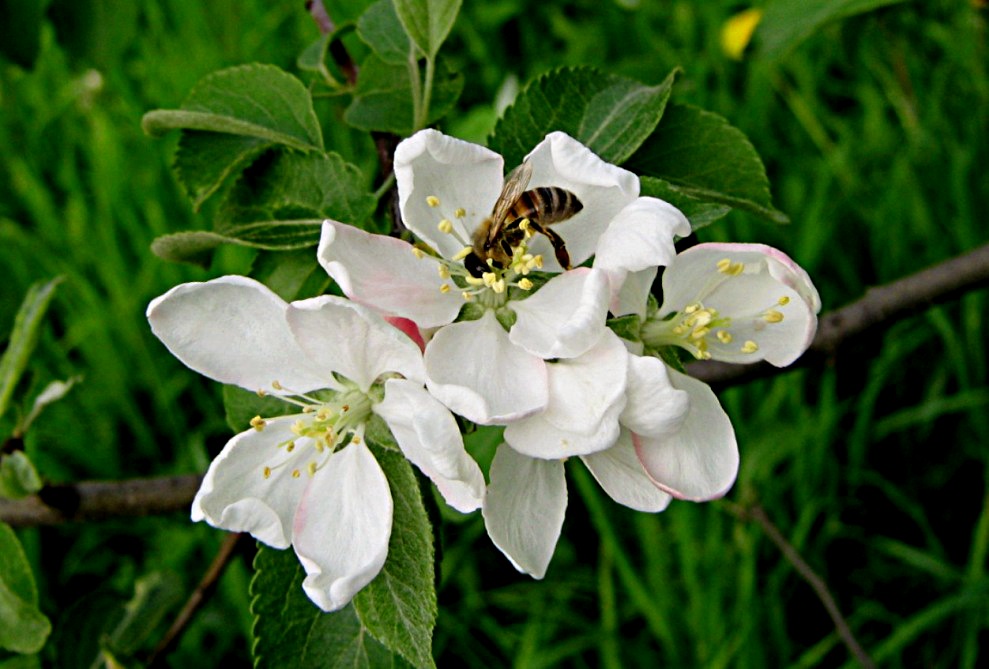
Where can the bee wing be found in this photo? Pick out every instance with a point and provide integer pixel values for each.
(515, 184)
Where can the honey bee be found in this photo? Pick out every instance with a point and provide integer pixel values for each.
(497, 237)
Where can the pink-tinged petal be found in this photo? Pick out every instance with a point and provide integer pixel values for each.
(237, 496)
(524, 509)
(654, 407)
(458, 174)
(353, 341)
(586, 397)
(409, 328)
(233, 330)
(384, 274)
(770, 304)
(474, 369)
(620, 474)
(342, 527)
(700, 462)
(429, 437)
(565, 317)
(603, 189)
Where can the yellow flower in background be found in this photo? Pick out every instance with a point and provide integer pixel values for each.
(737, 32)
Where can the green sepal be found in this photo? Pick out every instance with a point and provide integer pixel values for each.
(627, 327)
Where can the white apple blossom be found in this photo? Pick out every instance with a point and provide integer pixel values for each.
(309, 480)
(491, 365)
(737, 303)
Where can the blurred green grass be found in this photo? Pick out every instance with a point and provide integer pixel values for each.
(874, 133)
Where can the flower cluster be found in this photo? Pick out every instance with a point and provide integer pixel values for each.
(497, 312)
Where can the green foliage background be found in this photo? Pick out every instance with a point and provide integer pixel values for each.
(874, 133)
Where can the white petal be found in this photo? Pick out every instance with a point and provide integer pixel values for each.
(233, 330)
(474, 369)
(564, 318)
(235, 494)
(586, 397)
(524, 509)
(769, 278)
(353, 341)
(621, 475)
(384, 274)
(603, 189)
(639, 240)
(654, 406)
(700, 461)
(342, 527)
(460, 175)
(429, 437)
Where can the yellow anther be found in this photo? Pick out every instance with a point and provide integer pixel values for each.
(261, 392)
(691, 308)
(699, 333)
(773, 316)
(258, 423)
(443, 271)
(460, 212)
(323, 414)
(750, 347)
(290, 446)
(467, 296)
(296, 473)
(525, 284)
(445, 226)
(473, 281)
(463, 253)
(445, 288)
(355, 440)
(489, 278)
(723, 336)
(308, 409)
(538, 260)
(267, 472)
(311, 468)
(276, 385)
(783, 301)
(680, 329)
(418, 253)
(499, 286)
(724, 265)
(433, 201)
(298, 427)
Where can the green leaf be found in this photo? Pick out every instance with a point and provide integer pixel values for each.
(610, 114)
(380, 28)
(155, 596)
(698, 212)
(291, 274)
(313, 57)
(52, 393)
(205, 160)
(23, 627)
(704, 157)
(383, 98)
(259, 101)
(627, 327)
(290, 631)
(24, 337)
(399, 606)
(427, 22)
(20, 662)
(18, 477)
(786, 23)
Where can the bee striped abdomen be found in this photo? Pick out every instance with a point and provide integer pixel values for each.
(547, 205)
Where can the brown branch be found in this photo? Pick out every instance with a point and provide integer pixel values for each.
(198, 597)
(880, 305)
(98, 500)
(758, 514)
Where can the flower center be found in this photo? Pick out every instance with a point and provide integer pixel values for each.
(325, 425)
(491, 288)
(699, 328)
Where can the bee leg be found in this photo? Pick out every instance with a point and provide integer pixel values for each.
(559, 246)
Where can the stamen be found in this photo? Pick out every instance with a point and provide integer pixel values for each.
(445, 226)
(261, 392)
(473, 281)
(311, 468)
(445, 288)
(773, 316)
(258, 423)
(296, 473)
(459, 212)
(750, 347)
(276, 385)
(463, 253)
(723, 336)
(783, 301)
(467, 296)
(267, 472)
(417, 252)
(525, 284)
(443, 271)
(433, 201)
(290, 446)
(538, 260)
